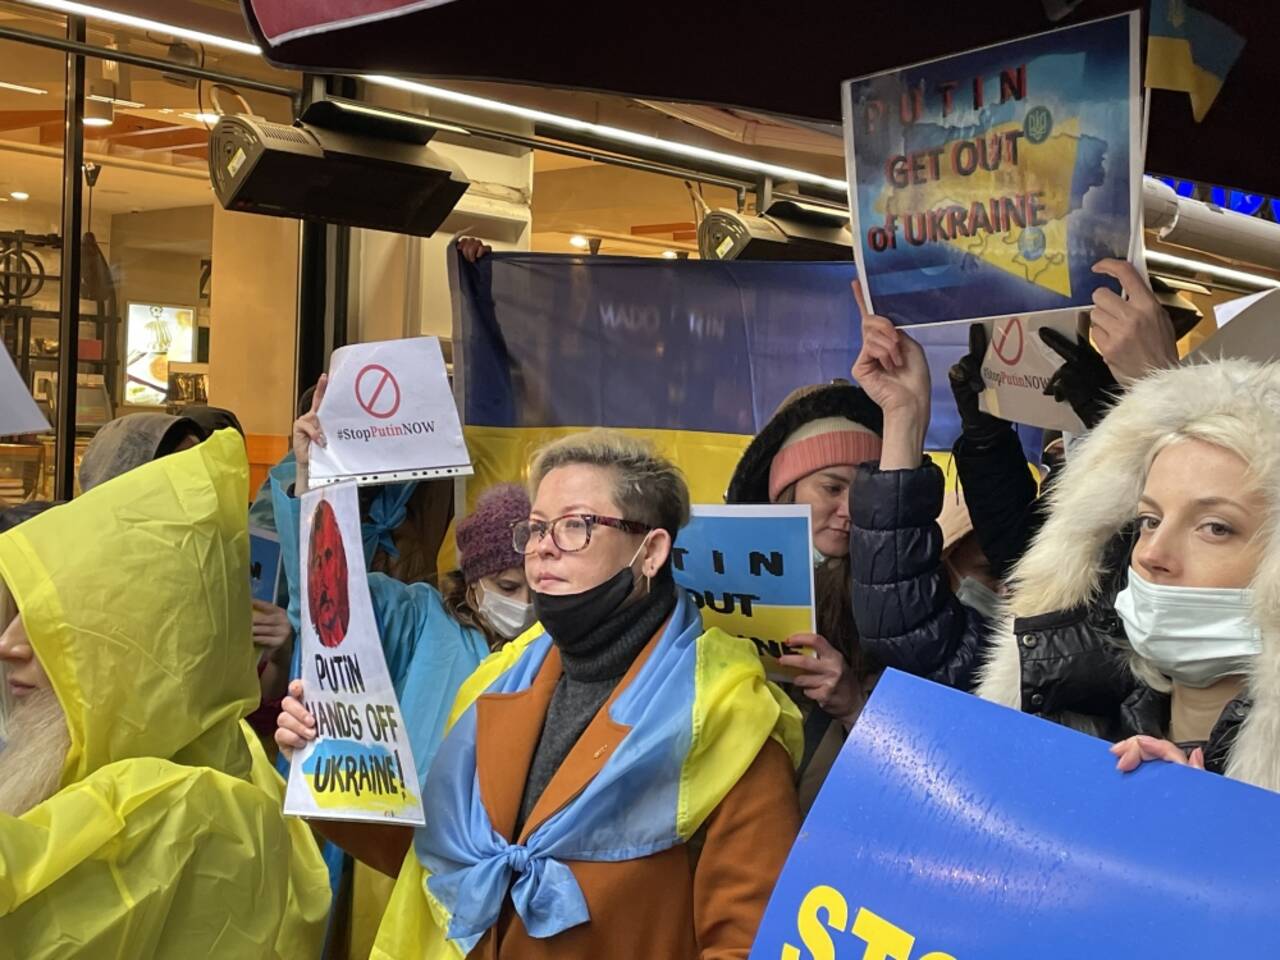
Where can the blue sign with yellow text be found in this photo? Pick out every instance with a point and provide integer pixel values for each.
(749, 569)
(954, 829)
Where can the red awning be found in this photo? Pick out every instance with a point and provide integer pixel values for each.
(785, 58)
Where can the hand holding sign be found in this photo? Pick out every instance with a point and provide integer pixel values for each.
(307, 431)
(825, 677)
(967, 385)
(1139, 750)
(1134, 333)
(891, 366)
(389, 415)
(1084, 381)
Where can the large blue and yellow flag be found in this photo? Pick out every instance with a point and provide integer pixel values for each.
(1189, 50)
(692, 355)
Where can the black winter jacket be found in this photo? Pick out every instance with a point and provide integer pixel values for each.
(906, 614)
(1074, 668)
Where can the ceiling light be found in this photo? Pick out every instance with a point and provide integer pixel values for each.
(22, 89)
(143, 23)
(668, 254)
(99, 113)
(614, 134)
(603, 131)
(1212, 269)
(579, 241)
(102, 98)
(19, 195)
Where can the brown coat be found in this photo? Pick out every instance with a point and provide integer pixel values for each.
(674, 905)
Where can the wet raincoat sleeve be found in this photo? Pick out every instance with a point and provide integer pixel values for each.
(145, 858)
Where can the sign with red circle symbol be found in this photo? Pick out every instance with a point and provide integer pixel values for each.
(377, 391)
(1009, 341)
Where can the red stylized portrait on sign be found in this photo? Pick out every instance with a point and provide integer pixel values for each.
(327, 594)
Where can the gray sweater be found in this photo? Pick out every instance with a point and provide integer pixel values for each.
(592, 670)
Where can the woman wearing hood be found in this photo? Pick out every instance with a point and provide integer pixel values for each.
(1161, 540)
(138, 815)
(806, 454)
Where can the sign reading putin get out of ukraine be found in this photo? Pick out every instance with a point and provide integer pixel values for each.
(988, 183)
(951, 828)
(749, 569)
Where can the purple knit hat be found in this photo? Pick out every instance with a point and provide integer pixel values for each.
(484, 535)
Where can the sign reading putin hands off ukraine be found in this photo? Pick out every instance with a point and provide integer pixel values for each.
(987, 184)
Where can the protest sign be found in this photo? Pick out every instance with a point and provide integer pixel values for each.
(951, 828)
(265, 564)
(750, 571)
(987, 184)
(1248, 327)
(360, 766)
(1019, 365)
(389, 415)
(18, 412)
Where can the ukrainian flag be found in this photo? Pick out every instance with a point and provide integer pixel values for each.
(1189, 50)
(694, 356)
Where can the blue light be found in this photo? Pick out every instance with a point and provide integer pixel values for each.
(1246, 203)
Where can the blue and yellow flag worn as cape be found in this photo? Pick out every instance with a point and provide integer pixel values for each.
(166, 837)
(697, 713)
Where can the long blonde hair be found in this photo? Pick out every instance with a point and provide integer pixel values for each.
(34, 751)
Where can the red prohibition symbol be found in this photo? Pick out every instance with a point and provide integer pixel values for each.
(1009, 342)
(377, 391)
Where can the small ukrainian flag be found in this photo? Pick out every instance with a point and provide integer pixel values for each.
(1189, 50)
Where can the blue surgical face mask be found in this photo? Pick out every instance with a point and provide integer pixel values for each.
(819, 558)
(1193, 635)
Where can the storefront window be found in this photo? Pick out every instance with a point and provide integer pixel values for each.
(182, 303)
(32, 94)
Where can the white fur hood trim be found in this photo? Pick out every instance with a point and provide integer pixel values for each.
(1097, 495)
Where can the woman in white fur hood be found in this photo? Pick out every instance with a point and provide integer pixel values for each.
(1190, 459)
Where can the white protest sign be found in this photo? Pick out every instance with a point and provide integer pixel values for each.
(1019, 365)
(749, 569)
(389, 415)
(1248, 327)
(360, 766)
(18, 412)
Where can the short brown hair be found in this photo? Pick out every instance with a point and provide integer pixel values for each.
(649, 488)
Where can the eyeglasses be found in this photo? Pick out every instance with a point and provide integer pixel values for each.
(570, 533)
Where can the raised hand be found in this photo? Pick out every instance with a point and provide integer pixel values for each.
(1134, 333)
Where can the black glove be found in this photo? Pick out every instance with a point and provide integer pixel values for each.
(966, 383)
(1084, 380)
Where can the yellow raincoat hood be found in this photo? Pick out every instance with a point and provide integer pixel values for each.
(166, 838)
(129, 596)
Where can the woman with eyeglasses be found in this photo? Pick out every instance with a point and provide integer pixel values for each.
(433, 639)
(617, 783)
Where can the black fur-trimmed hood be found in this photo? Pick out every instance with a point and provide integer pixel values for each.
(750, 483)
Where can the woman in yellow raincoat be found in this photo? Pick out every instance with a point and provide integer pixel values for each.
(138, 817)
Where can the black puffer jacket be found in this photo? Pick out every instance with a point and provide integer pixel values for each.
(906, 615)
(1073, 670)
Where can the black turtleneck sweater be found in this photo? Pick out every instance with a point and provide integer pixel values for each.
(592, 669)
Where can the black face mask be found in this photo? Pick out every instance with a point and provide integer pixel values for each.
(570, 617)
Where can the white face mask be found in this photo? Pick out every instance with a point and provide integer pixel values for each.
(1193, 635)
(509, 618)
(819, 558)
(976, 594)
